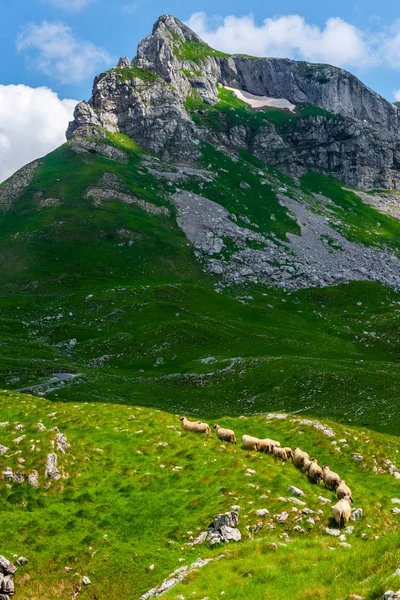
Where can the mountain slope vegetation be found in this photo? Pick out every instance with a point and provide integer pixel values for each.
(186, 253)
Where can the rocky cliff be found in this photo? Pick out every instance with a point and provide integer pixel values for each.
(347, 130)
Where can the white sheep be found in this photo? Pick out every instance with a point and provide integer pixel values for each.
(315, 472)
(331, 479)
(249, 442)
(299, 457)
(289, 452)
(196, 426)
(343, 491)
(226, 435)
(342, 511)
(280, 453)
(267, 445)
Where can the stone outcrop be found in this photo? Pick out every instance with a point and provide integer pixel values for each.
(224, 528)
(7, 572)
(356, 140)
(11, 190)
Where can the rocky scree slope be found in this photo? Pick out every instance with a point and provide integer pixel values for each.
(352, 131)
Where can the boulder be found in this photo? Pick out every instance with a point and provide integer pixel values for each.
(356, 513)
(51, 467)
(295, 490)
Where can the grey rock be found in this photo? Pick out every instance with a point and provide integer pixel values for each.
(324, 500)
(11, 189)
(61, 443)
(22, 561)
(18, 477)
(6, 566)
(295, 490)
(228, 519)
(51, 467)
(8, 474)
(7, 585)
(333, 532)
(214, 538)
(296, 501)
(176, 577)
(262, 512)
(356, 513)
(3, 449)
(282, 517)
(230, 534)
(33, 479)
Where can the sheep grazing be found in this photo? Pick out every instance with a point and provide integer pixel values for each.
(289, 452)
(249, 442)
(306, 464)
(280, 453)
(267, 445)
(343, 491)
(299, 457)
(226, 435)
(196, 426)
(331, 479)
(315, 472)
(342, 511)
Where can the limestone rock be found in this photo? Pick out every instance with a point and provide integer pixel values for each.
(51, 467)
(6, 566)
(356, 513)
(61, 443)
(295, 490)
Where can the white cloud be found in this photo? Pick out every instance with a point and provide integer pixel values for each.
(58, 54)
(396, 95)
(290, 36)
(338, 42)
(32, 123)
(71, 4)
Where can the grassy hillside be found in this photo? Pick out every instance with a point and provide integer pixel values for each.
(135, 490)
(125, 286)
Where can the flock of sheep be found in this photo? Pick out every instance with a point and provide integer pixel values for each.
(341, 510)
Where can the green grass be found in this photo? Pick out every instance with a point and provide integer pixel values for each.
(129, 73)
(317, 351)
(122, 502)
(355, 219)
(231, 111)
(189, 73)
(195, 52)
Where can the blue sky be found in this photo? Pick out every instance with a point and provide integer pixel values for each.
(116, 26)
(51, 49)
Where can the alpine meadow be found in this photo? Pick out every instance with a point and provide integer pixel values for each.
(218, 239)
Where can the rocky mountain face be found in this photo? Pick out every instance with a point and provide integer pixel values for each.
(351, 131)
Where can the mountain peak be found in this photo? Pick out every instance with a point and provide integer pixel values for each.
(161, 99)
(167, 25)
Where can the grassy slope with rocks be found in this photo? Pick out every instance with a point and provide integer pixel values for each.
(126, 286)
(134, 486)
(112, 299)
